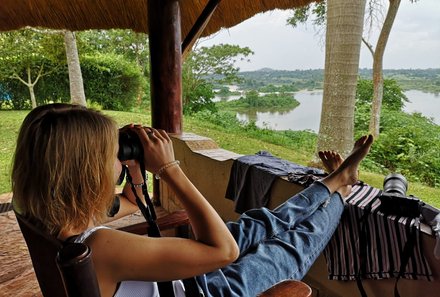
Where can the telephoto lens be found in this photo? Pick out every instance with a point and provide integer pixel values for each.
(396, 184)
(130, 147)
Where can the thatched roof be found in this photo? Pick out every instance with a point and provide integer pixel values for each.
(78, 15)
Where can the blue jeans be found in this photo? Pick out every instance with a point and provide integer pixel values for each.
(277, 245)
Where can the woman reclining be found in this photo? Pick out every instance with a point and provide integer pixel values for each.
(64, 174)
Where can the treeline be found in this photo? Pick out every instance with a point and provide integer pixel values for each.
(427, 80)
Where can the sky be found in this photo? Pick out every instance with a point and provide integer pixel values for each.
(414, 41)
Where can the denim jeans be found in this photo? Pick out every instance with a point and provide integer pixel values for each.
(277, 245)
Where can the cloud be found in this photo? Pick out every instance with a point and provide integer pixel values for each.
(414, 41)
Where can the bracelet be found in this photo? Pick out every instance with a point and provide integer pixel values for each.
(137, 185)
(164, 167)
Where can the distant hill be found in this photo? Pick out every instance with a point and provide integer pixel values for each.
(427, 80)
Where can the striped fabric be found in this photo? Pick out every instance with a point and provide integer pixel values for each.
(367, 238)
(5, 207)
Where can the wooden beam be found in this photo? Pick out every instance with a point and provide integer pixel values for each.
(198, 27)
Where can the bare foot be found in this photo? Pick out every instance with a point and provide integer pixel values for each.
(347, 173)
(331, 160)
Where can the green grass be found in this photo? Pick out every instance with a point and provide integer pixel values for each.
(232, 140)
(10, 122)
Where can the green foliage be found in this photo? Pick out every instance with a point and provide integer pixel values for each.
(393, 95)
(268, 101)
(199, 98)
(28, 48)
(427, 80)
(301, 141)
(270, 88)
(124, 42)
(53, 87)
(407, 143)
(111, 81)
(206, 66)
(302, 14)
(27, 56)
(267, 79)
(217, 61)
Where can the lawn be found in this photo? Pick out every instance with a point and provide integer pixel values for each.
(11, 120)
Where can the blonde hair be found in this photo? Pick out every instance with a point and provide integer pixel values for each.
(63, 172)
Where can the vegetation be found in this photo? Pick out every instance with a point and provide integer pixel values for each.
(427, 80)
(266, 102)
(115, 65)
(205, 67)
(407, 143)
(228, 132)
(111, 81)
(372, 16)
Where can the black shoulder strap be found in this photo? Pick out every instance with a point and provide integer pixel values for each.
(165, 288)
(407, 251)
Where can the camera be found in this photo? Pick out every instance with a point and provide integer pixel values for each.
(130, 147)
(394, 200)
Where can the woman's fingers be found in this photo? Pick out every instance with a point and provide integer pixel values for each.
(158, 148)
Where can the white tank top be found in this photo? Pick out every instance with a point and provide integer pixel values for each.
(135, 288)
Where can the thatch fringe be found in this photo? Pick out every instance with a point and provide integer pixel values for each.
(76, 15)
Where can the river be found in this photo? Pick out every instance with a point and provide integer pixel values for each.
(307, 115)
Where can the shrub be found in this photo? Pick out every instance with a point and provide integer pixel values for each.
(408, 143)
(111, 81)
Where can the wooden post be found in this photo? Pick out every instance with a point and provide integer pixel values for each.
(166, 68)
(166, 64)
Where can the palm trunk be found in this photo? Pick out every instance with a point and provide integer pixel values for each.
(77, 94)
(345, 21)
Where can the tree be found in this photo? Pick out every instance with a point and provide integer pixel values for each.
(24, 56)
(205, 66)
(301, 15)
(77, 94)
(342, 50)
(132, 45)
(393, 96)
(378, 65)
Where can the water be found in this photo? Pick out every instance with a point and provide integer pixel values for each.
(428, 104)
(308, 114)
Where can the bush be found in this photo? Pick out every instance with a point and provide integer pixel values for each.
(408, 144)
(199, 98)
(268, 101)
(111, 81)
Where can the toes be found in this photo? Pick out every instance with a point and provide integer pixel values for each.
(360, 141)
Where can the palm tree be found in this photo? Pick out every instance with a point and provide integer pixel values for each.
(345, 21)
(77, 94)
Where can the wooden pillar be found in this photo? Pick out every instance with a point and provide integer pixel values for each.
(166, 64)
(166, 68)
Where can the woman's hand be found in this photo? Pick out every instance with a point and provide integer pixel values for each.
(157, 145)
